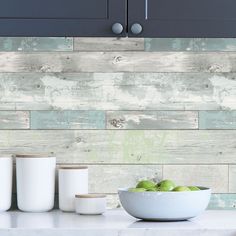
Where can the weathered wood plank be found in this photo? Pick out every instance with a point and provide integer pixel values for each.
(152, 120)
(67, 120)
(24, 44)
(189, 44)
(118, 62)
(213, 176)
(117, 91)
(108, 178)
(125, 146)
(222, 202)
(108, 44)
(14, 120)
(217, 119)
(232, 178)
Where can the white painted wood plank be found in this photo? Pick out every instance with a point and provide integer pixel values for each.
(14, 120)
(125, 146)
(117, 91)
(152, 120)
(212, 176)
(118, 62)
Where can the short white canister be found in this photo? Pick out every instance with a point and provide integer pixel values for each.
(5, 183)
(35, 179)
(90, 204)
(72, 180)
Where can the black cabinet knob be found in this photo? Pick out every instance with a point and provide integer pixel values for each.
(117, 28)
(136, 28)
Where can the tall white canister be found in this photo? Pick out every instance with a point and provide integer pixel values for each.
(35, 179)
(5, 183)
(72, 180)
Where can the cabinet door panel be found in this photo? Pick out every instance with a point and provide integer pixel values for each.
(184, 18)
(49, 9)
(61, 17)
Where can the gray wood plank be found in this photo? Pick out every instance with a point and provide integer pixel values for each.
(117, 91)
(125, 146)
(212, 176)
(67, 120)
(118, 62)
(152, 120)
(14, 120)
(108, 44)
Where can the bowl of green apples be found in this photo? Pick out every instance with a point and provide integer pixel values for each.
(164, 200)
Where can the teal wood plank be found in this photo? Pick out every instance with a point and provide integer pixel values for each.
(217, 119)
(190, 44)
(8, 44)
(222, 202)
(67, 120)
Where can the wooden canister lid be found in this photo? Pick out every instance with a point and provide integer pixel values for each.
(90, 195)
(73, 167)
(32, 155)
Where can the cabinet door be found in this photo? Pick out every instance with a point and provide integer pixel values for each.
(61, 17)
(182, 18)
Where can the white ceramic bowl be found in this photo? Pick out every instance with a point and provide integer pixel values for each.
(165, 206)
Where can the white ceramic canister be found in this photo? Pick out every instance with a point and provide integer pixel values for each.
(90, 204)
(72, 180)
(35, 178)
(5, 183)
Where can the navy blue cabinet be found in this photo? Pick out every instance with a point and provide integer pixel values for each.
(183, 18)
(118, 18)
(63, 17)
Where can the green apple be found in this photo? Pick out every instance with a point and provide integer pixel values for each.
(194, 188)
(166, 185)
(181, 189)
(147, 184)
(137, 190)
(152, 189)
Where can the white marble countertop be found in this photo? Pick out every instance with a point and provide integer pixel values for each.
(113, 223)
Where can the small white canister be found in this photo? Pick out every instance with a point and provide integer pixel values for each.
(71, 180)
(90, 204)
(35, 178)
(5, 183)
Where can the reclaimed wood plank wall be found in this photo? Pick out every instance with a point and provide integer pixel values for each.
(127, 108)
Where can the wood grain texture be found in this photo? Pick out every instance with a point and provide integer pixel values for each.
(67, 120)
(190, 44)
(152, 120)
(108, 178)
(232, 178)
(27, 44)
(222, 202)
(217, 119)
(108, 44)
(14, 120)
(117, 91)
(125, 146)
(118, 62)
(213, 176)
